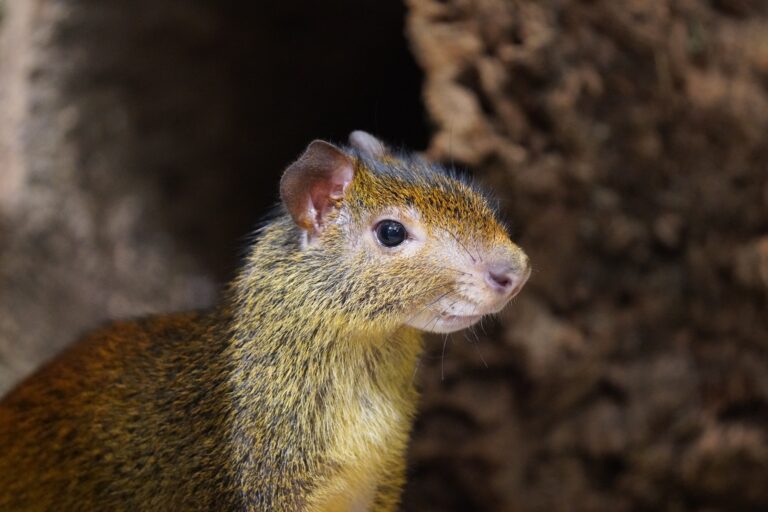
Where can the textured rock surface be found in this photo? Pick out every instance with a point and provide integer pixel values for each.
(81, 214)
(628, 140)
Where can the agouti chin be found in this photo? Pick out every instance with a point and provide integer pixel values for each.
(296, 391)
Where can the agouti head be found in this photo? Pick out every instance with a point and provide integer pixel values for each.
(390, 239)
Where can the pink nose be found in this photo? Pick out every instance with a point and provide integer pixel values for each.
(503, 278)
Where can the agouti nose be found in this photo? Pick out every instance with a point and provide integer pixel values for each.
(503, 278)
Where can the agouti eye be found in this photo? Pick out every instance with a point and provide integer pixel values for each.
(391, 233)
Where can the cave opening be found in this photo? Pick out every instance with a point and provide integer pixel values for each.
(221, 96)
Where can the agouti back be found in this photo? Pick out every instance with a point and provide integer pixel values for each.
(294, 393)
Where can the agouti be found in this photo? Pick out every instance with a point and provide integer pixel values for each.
(295, 392)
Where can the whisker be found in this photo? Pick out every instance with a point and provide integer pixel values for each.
(420, 311)
(404, 300)
(416, 369)
(472, 256)
(442, 359)
(413, 297)
(445, 342)
(477, 249)
(452, 269)
(474, 333)
(476, 344)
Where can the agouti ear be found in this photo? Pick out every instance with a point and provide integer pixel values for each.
(313, 185)
(367, 144)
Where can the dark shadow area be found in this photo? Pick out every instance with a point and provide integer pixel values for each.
(222, 95)
(316, 70)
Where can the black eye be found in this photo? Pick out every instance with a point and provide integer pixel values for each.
(390, 233)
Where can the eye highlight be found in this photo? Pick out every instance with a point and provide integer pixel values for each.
(391, 233)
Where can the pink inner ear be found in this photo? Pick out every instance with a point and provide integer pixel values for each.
(313, 184)
(326, 191)
(340, 181)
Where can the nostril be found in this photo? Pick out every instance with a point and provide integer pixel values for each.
(502, 280)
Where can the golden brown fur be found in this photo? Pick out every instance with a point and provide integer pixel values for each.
(296, 393)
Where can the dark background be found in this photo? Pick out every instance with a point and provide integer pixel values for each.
(141, 141)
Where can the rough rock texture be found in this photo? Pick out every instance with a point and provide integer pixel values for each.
(81, 231)
(629, 143)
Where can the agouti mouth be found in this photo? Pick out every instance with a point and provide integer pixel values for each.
(458, 321)
(446, 316)
(445, 323)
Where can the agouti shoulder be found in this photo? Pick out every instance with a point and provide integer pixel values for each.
(296, 391)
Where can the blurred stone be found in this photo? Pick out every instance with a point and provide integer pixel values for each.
(751, 265)
(640, 194)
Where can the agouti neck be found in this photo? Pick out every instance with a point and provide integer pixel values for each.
(337, 385)
(302, 340)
